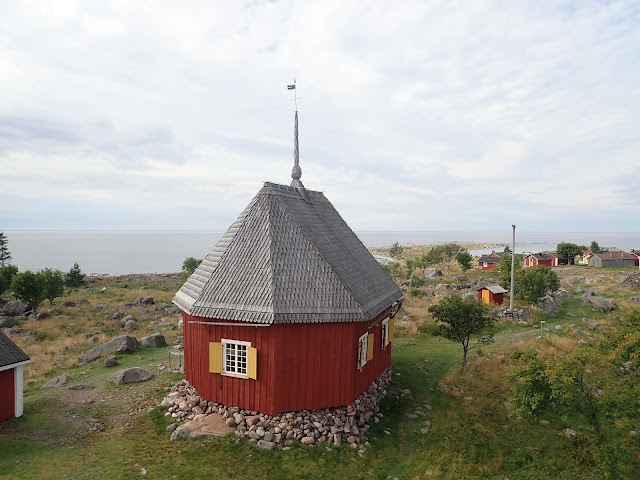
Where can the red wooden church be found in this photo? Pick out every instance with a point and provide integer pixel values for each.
(289, 311)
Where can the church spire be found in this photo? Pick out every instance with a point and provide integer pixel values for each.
(296, 172)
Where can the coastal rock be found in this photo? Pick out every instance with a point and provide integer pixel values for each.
(110, 361)
(123, 343)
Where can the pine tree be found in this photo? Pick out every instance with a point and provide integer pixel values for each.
(75, 277)
(5, 254)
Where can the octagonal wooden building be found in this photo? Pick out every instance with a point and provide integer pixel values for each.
(289, 311)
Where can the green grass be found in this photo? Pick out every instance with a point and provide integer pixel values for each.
(468, 439)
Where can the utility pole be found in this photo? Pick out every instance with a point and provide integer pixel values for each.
(513, 261)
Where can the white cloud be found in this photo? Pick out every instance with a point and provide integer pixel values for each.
(413, 116)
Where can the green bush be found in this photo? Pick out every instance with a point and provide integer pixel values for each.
(415, 292)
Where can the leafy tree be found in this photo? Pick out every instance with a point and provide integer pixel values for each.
(445, 254)
(396, 251)
(392, 268)
(464, 260)
(75, 277)
(567, 384)
(506, 251)
(503, 270)
(5, 254)
(568, 250)
(411, 265)
(463, 319)
(29, 287)
(533, 282)
(6, 275)
(189, 265)
(594, 247)
(53, 283)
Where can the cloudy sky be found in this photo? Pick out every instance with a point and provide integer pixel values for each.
(414, 115)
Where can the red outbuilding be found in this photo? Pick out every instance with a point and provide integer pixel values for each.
(289, 311)
(535, 259)
(491, 294)
(12, 362)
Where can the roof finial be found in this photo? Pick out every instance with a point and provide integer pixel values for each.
(296, 172)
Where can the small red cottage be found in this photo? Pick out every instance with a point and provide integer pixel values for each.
(488, 262)
(491, 294)
(535, 259)
(289, 311)
(12, 362)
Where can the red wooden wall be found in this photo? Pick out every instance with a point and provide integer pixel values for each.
(300, 366)
(7, 395)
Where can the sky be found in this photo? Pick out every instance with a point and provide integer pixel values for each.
(414, 115)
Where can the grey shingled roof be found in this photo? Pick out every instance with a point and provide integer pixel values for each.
(288, 258)
(488, 259)
(10, 353)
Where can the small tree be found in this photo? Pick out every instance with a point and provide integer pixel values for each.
(5, 254)
(189, 266)
(446, 254)
(594, 247)
(29, 287)
(568, 250)
(75, 277)
(464, 260)
(503, 270)
(463, 319)
(396, 251)
(533, 282)
(6, 276)
(53, 283)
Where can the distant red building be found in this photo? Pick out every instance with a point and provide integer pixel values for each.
(12, 362)
(488, 262)
(491, 294)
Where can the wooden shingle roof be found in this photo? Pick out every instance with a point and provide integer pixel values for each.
(10, 353)
(288, 258)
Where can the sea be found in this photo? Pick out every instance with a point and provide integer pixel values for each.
(126, 252)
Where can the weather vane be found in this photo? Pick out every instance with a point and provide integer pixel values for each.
(295, 94)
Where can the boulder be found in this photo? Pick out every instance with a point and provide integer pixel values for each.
(144, 301)
(56, 381)
(266, 445)
(461, 278)
(110, 361)
(433, 272)
(132, 375)
(131, 325)
(601, 303)
(123, 343)
(43, 315)
(153, 341)
(69, 304)
(15, 308)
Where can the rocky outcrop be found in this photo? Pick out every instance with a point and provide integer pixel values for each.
(600, 303)
(309, 427)
(632, 280)
(123, 343)
(15, 308)
(56, 382)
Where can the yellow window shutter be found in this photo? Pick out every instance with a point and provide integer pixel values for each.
(370, 347)
(252, 363)
(215, 357)
(392, 329)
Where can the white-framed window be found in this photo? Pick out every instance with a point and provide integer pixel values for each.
(385, 332)
(235, 358)
(484, 264)
(363, 345)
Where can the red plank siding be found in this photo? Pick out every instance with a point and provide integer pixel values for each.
(300, 366)
(7, 395)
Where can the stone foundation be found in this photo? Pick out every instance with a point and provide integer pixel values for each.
(334, 426)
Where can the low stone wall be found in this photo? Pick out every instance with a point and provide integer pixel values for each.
(310, 427)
